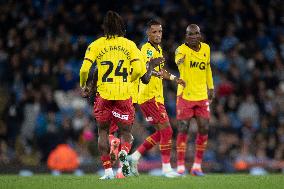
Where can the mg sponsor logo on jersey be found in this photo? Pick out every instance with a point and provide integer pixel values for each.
(200, 65)
(118, 115)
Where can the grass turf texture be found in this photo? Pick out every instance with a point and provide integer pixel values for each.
(211, 181)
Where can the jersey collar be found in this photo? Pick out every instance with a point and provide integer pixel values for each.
(192, 49)
(154, 46)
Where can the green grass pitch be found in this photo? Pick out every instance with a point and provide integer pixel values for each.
(211, 181)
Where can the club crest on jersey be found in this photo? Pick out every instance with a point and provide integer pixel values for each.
(149, 53)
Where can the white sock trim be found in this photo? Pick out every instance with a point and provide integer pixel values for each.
(136, 155)
(181, 168)
(166, 167)
(196, 166)
(109, 171)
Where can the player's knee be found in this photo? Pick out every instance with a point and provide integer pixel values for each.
(182, 126)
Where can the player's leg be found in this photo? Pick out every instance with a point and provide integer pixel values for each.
(124, 115)
(184, 114)
(114, 142)
(166, 133)
(114, 147)
(102, 113)
(202, 118)
(103, 145)
(181, 144)
(126, 144)
(149, 142)
(161, 122)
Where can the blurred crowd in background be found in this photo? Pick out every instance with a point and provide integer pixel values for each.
(42, 44)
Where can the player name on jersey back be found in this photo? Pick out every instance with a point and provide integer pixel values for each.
(114, 58)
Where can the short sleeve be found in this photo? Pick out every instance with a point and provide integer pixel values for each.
(179, 54)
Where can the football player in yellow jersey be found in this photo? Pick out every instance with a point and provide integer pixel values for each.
(114, 55)
(151, 101)
(193, 61)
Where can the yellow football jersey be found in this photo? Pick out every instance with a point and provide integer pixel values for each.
(135, 89)
(195, 71)
(155, 87)
(115, 59)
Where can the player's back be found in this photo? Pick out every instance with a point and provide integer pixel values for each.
(113, 58)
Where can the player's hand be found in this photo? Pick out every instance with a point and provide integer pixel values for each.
(163, 74)
(155, 62)
(180, 61)
(157, 74)
(85, 92)
(93, 90)
(211, 95)
(181, 82)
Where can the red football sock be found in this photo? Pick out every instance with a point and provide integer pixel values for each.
(166, 144)
(126, 146)
(149, 142)
(106, 161)
(181, 148)
(200, 146)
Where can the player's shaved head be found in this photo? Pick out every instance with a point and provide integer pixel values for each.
(193, 36)
(192, 28)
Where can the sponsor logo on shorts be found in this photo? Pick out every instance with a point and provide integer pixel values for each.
(149, 119)
(124, 117)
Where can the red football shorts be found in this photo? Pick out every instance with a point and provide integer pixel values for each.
(113, 127)
(187, 109)
(154, 112)
(117, 111)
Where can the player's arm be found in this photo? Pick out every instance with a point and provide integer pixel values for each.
(84, 72)
(140, 69)
(85, 68)
(151, 63)
(209, 80)
(167, 75)
(93, 83)
(91, 86)
(150, 69)
(179, 56)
